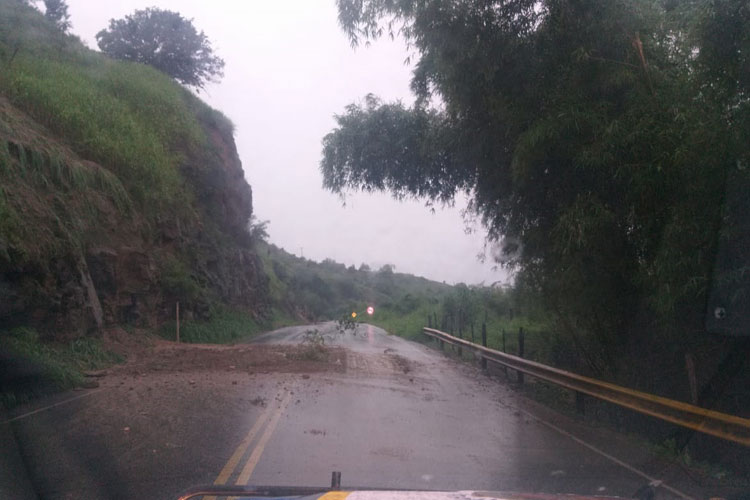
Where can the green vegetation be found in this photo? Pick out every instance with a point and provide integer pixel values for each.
(404, 304)
(330, 290)
(131, 119)
(123, 116)
(165, 40)
(601, 144)
(313, 346)
(223, 326)
(120, 187)
(43, 367)
(57, 12)
(178, 282)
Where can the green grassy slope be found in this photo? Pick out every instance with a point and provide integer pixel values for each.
(121, 193)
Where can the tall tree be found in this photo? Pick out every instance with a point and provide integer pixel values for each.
(166, 41)
(587, 131)
(57, 12)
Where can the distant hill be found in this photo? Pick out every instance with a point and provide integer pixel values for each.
(329, 289)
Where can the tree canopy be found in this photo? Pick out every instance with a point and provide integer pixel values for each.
(600, 135)
(166, 41)
(57, 11)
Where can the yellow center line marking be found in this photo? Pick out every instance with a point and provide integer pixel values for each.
(241, 449)
(335, 495)
(258, 451)
(231, 464)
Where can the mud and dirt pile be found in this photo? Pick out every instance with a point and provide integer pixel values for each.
(169, 357)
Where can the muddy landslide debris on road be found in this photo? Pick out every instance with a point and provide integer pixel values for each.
(172, 357)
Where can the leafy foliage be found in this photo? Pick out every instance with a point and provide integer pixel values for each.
(177, 281)
(57, 12)
(165, 40)
(599, 135)
(258, 229)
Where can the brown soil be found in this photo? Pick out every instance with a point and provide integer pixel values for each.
(161, 356)
(159, 403)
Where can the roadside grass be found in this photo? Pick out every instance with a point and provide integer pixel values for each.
(225, 326)
(408, 325)
(34, 368)
(538, 336)
(538, 339)
(669, 451)
(280, 319)
(87, 353)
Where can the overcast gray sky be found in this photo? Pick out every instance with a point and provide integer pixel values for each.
(289, 69)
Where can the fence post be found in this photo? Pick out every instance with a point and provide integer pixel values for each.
(177, 315)
(520, 352)
(429, 321)
(484, 343)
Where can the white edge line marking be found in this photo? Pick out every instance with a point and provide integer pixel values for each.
(24, 415)
(653, 481)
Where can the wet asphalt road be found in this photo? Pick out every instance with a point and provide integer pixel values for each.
(438, 424)
(397, 415)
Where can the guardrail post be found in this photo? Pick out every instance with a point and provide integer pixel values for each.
(505, 368)
(335, 480)
(484, 343)
(520, 352)
(460, 351)
(429, 321)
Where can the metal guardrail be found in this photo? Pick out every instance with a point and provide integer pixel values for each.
(721, 425)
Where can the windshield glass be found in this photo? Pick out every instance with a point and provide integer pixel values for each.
(439, 245)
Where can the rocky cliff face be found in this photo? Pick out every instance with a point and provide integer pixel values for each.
(76, 255)
(121, 192)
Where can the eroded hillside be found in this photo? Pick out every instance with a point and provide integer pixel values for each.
(121, 192)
